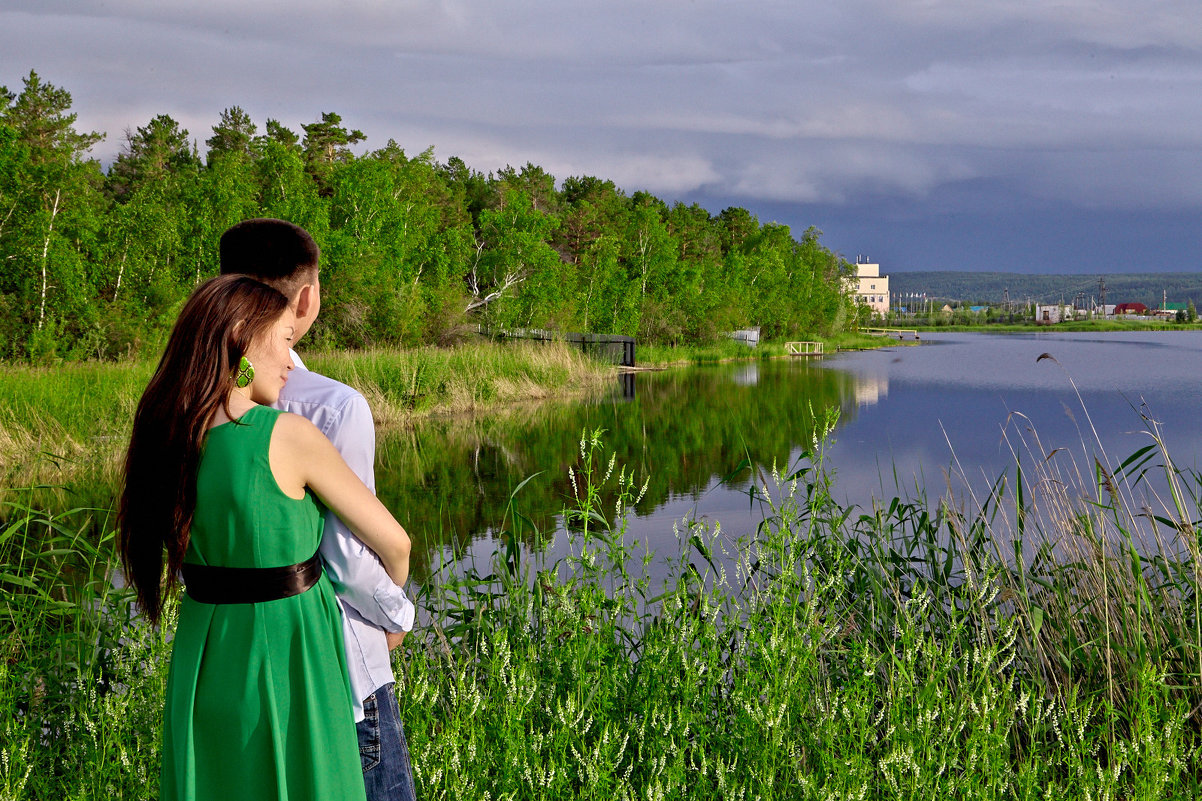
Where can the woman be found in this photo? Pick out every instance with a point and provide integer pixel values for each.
(258, 702)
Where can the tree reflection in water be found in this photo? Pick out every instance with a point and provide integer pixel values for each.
(450, 480)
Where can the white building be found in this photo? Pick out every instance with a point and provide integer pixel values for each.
(1053, 313)
(872, 288)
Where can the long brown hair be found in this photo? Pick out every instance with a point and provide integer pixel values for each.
(194, 378)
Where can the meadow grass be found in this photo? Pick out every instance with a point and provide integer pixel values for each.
(82, 679)
(854, 340)
(1041, 642)
(401, 385)
(64, 429)
(65, 421)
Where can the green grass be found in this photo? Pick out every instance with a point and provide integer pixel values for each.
(81, 681)
(893, 653)
(63, 413)
(65, 429)
(1042, 642)
(852, 340)
(719, 351)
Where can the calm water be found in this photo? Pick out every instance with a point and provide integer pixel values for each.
(947, 413)
(975, 396)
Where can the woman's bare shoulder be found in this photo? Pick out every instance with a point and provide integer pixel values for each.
(298, 432)
(292, 423)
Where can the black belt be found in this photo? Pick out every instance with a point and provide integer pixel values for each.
(249, 585)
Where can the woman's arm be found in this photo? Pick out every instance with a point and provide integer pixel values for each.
(301, 456)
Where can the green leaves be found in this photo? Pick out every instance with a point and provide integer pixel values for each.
(414, 252)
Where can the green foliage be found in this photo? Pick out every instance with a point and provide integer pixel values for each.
(910, 650)
(151, 153)
(82, 679)
(50, 221)
(414, 252)
(234, 135)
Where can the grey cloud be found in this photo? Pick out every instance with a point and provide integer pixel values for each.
(1077, 104)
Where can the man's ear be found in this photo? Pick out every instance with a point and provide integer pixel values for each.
(305, 299)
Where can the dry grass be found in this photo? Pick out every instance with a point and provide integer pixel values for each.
(41, 451)
(402, 386)
(64, 429)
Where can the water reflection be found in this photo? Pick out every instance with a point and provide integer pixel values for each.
(871, 389)
(962, 407)
(685, 431)
(951, 414)
(746, 376)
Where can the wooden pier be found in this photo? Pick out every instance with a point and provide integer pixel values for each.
(616, 348)
(803, 348)
(900, 333)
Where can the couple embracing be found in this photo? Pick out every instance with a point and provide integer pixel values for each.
(252, 479)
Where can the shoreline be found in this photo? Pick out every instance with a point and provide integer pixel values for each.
(61, 423)
(1088, 326)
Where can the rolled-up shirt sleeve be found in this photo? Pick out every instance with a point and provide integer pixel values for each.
(357, 573)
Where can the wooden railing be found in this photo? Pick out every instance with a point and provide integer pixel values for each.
(900, 333)
(803, 348)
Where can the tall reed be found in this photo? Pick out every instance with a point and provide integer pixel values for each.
(894, 652)
(81, 678)
(1038, 641)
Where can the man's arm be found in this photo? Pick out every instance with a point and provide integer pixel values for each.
(357, 573)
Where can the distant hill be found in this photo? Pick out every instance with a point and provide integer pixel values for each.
(1148, 288)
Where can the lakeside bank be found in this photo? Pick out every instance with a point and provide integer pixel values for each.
(56, 422)
(726, 350)
(60, 421)
(1070, 326)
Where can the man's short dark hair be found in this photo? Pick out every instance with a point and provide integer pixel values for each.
(275, 252)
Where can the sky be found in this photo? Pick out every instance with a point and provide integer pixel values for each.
(1014, 135)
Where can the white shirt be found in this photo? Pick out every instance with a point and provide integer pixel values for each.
(371, 603)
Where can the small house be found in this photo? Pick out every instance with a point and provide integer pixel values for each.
(1053, 313)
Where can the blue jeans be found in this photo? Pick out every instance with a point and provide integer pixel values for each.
(387, 773)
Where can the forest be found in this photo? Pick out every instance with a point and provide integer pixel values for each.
(415, 251)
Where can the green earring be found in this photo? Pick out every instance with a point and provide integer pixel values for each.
(246, 373)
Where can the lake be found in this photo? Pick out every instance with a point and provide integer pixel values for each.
(946, 415)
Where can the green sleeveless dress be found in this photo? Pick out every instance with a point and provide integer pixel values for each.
(258, 696)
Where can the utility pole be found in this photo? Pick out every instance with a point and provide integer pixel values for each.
(1102, 294)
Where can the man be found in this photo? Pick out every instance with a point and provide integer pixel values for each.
(376, 612)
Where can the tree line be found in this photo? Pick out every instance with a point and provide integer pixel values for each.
(415, 251)
(958, 286)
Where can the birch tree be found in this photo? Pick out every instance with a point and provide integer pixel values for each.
(50, 208)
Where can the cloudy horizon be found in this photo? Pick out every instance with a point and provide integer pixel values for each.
(928, 134)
